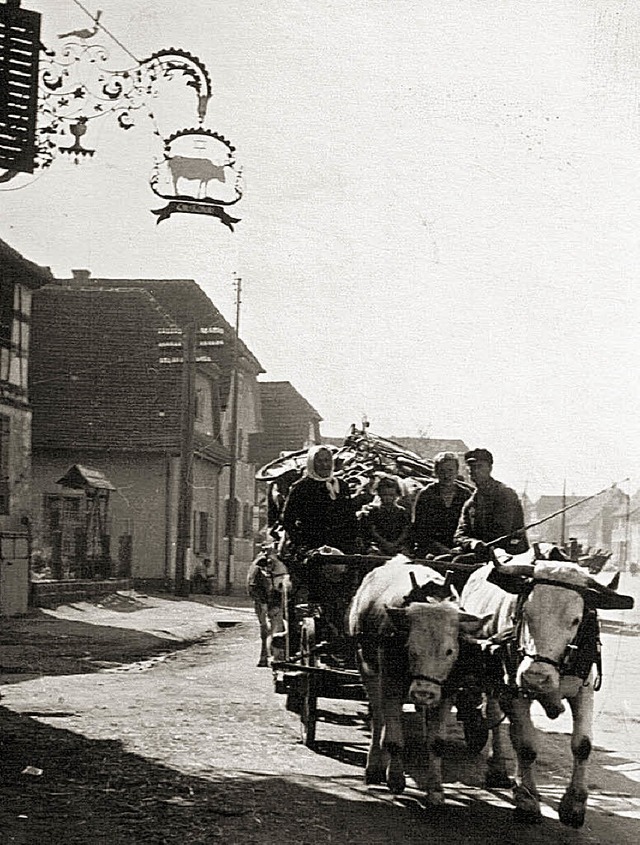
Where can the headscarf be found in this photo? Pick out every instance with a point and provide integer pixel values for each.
(332, 484)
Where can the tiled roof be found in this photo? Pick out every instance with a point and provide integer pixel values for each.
(95, 377)
(286, 420)
(183, 299)
(428, 447)
(17, 268)
(550, 504)
(580, 514)
(632, 509)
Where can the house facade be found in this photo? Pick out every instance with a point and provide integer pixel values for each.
(110, 393)
(19, 278)
(591, 523)
(625, 543)
(289, 424)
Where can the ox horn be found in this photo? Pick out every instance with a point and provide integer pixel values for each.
(611, 587)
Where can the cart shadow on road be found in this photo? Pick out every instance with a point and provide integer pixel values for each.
(59, 786)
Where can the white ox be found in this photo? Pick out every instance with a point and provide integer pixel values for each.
(538, 608)
(407, 645)
(267, 583)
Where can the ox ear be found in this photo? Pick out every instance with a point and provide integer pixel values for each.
(471, 624)
(510, 582)
(398, 617)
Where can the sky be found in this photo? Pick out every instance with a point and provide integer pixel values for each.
(440, 226)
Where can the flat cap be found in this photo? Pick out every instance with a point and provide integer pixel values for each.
(476, 455)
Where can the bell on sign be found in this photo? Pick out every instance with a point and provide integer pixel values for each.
(19, 46)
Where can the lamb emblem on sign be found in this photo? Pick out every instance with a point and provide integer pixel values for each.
(198, 175)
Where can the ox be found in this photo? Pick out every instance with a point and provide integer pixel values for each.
(200, 170)
(407, 645)
(544, 630)
(267, 580)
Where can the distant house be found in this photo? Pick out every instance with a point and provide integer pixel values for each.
(108, 384)
(19, 278)
(591, 523)
(427, 447)
(625, 539)
(289, 424)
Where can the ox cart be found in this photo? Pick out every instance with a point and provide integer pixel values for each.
(319, 656)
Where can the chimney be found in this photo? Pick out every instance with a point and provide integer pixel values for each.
(81, 275)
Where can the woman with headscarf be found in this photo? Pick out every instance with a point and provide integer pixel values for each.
(319, 510)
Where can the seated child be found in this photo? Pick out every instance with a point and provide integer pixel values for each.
(384, 524)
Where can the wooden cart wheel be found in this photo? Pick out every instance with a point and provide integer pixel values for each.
(309, 703)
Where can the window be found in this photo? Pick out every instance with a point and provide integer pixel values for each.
(5, 429)
(6, 312)
(199, 411)
(231, 518)
(202, 542)
(247, 521)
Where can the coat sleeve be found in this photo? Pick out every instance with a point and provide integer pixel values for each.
(464, 532)
(509, 520)
(292, 509)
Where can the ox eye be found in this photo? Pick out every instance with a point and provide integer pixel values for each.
(575, 622)
(448, 652)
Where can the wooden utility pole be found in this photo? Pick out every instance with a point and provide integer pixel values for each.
(563, 519)
(185, 482)
(625, 561)
(232, 516)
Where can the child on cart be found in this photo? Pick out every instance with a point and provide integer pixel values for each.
(384, 524)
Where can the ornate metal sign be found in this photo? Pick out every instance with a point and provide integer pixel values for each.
(19, 48)
(198, 175)
(77, 87)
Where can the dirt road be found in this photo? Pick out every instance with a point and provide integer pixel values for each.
(198, 748)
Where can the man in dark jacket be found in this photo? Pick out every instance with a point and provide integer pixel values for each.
(493, 513)
(437, 508)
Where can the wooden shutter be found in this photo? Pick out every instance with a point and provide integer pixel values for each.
(19, 54)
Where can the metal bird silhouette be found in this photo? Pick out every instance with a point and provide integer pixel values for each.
(84, 33)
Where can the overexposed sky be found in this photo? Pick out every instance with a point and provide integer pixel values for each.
(441, 220)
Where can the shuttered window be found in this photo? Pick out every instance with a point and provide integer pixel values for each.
(19, 53)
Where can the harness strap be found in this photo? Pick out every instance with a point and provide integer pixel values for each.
(427, 678)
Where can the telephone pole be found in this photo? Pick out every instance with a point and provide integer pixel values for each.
(185, 481)
(232, 516)
(563, 518)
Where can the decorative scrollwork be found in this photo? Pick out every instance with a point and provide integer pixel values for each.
(77, 86)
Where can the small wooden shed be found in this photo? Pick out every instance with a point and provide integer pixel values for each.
(94, 541)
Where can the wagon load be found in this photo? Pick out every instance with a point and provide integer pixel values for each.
(362, 458)
(359, 459)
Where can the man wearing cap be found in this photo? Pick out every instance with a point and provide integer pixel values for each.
(493, 513)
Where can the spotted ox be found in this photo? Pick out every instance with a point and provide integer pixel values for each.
(544, 626)
(407, 645)
(267, 578)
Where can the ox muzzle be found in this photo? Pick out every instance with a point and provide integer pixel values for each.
(539, 677)
(425, 691)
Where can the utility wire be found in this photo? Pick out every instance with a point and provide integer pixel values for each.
(106, 31)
